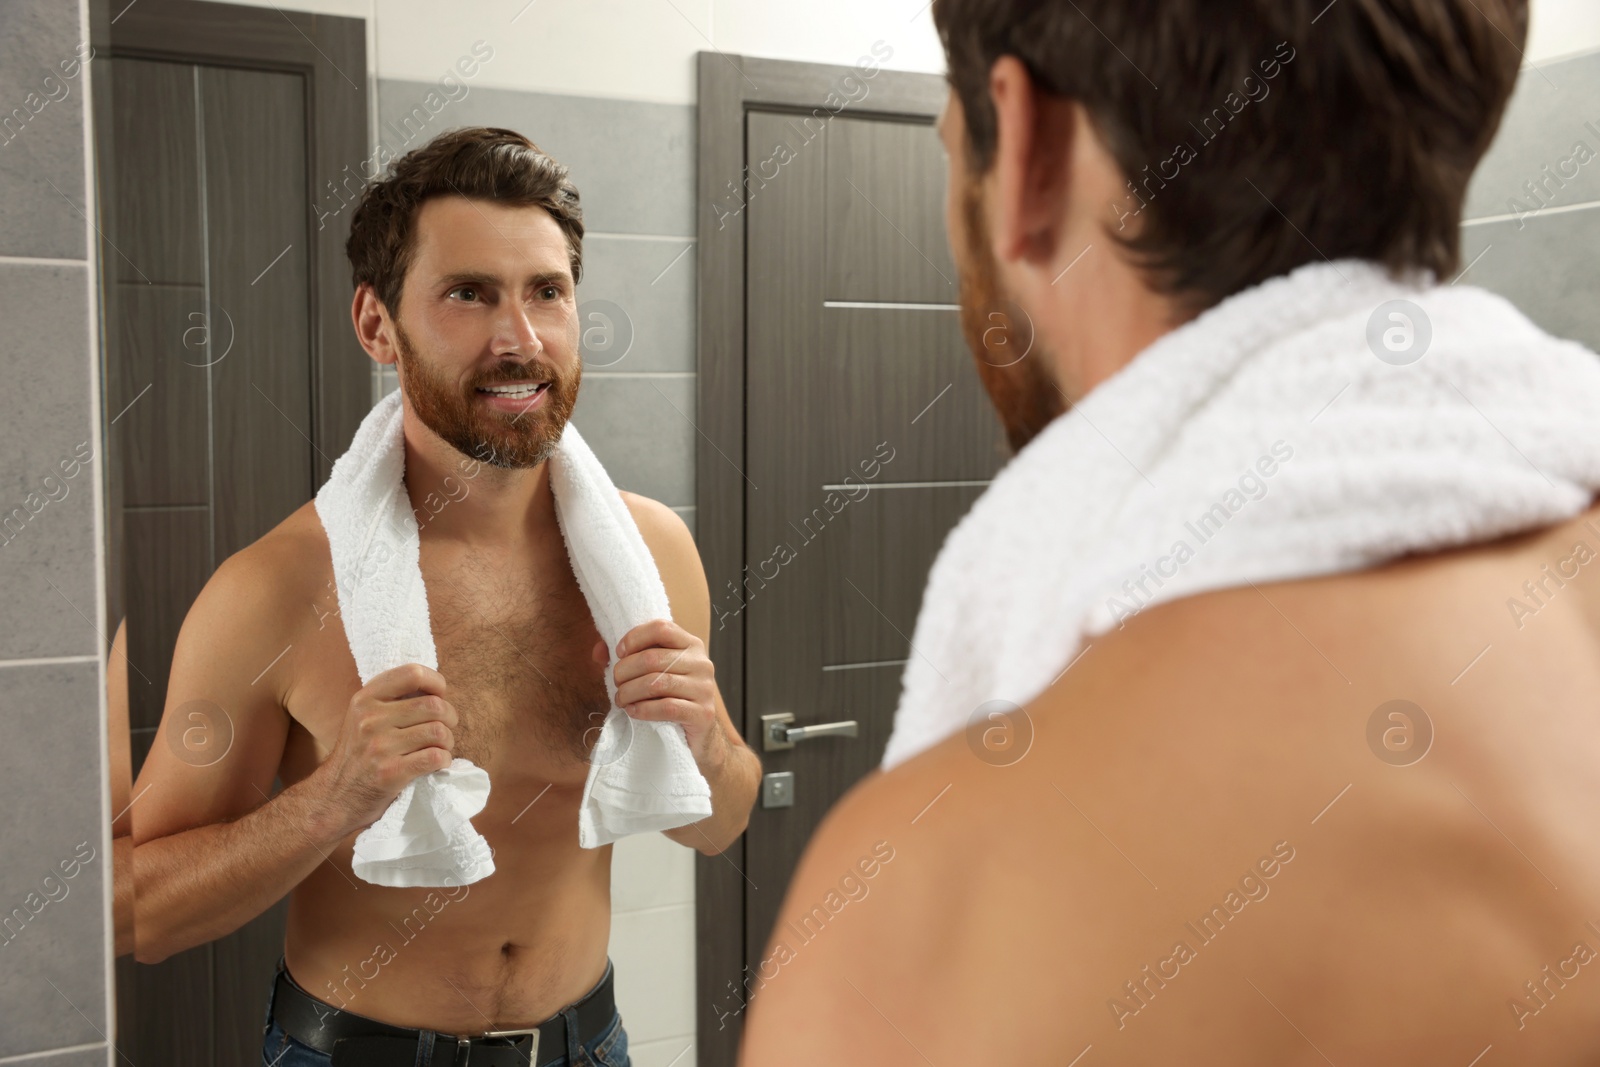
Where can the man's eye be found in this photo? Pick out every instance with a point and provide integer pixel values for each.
(469, 293)
(550, 292)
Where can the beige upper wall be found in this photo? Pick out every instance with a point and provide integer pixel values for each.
(644, 49)
(628, 49)
(1563, 27)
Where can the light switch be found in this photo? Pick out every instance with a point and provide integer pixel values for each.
(777, 789)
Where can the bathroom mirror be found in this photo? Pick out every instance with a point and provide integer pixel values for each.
(232, 144)
(769, 336)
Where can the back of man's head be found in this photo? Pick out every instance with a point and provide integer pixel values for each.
(1259, 135)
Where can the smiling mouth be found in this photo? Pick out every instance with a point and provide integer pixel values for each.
(515, 390)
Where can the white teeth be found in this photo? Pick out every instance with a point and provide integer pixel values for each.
(515, 392)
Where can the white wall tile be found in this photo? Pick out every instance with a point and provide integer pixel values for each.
(650, 871)
(653, 952)
(668, 1052)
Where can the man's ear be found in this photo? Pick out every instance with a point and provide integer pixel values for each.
(1034, 132)
(374, 329)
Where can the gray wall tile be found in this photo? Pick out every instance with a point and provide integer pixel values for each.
(45, 309)
(1547, 267)
(641, 431)
(633, 162)
(646, 289)
(385, 380)
(41, 131)
(56, 875)
(687, 515)
(1556, 106)
(52, 968)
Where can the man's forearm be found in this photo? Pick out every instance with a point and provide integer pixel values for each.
(733, 794)
(205, 883)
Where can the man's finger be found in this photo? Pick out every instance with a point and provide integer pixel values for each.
(406, 680)
(670, 709)
(655, 685)
(657, 633)
(655, 660)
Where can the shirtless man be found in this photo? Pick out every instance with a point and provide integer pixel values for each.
(466, 260)
(1445, 912)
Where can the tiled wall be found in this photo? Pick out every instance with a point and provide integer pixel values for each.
(55, 977)
(634, 165)
(1533, 212)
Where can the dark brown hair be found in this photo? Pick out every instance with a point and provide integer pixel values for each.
(1312, 129)
(477, 162)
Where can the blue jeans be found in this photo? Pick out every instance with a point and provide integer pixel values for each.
(609, 1048)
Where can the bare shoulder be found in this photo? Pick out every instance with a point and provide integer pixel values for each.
(288, 565)
(1310, 766)
(672, 546)
(259, 600)
(663, 529)
(850, 901)
(234, 661)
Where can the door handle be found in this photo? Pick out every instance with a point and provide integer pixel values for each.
(776, 733)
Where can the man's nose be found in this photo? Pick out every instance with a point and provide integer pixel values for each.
(516, 334)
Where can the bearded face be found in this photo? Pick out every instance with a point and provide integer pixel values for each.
(1013, 368)
(481, 419)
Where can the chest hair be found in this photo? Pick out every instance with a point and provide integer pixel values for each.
(517, 654)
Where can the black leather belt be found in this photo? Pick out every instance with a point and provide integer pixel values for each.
(354, 1040)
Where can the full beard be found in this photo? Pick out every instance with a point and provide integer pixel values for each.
(1013, 368)
(502, 439)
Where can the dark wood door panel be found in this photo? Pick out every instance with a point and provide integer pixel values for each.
(257, 213)
(174, 1024)
(839, 383)
(824, 769)
(243, 965)
(885, 220)
(905, 378)
(161, 403)
(848, 594)
(794, 398)
(229, 346)
(168, 563)
(867, 436)
(785, 296)
(157, 200)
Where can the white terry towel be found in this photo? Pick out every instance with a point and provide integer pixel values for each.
(1155, 485)
(642, 776)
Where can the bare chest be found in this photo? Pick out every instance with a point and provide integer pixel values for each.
(517, 652)
(515, 647)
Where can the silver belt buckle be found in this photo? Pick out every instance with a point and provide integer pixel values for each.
(532, 1031)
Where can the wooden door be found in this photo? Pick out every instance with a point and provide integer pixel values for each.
(869, 435)
(212, 358)
(835, 387)
(227, 392)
